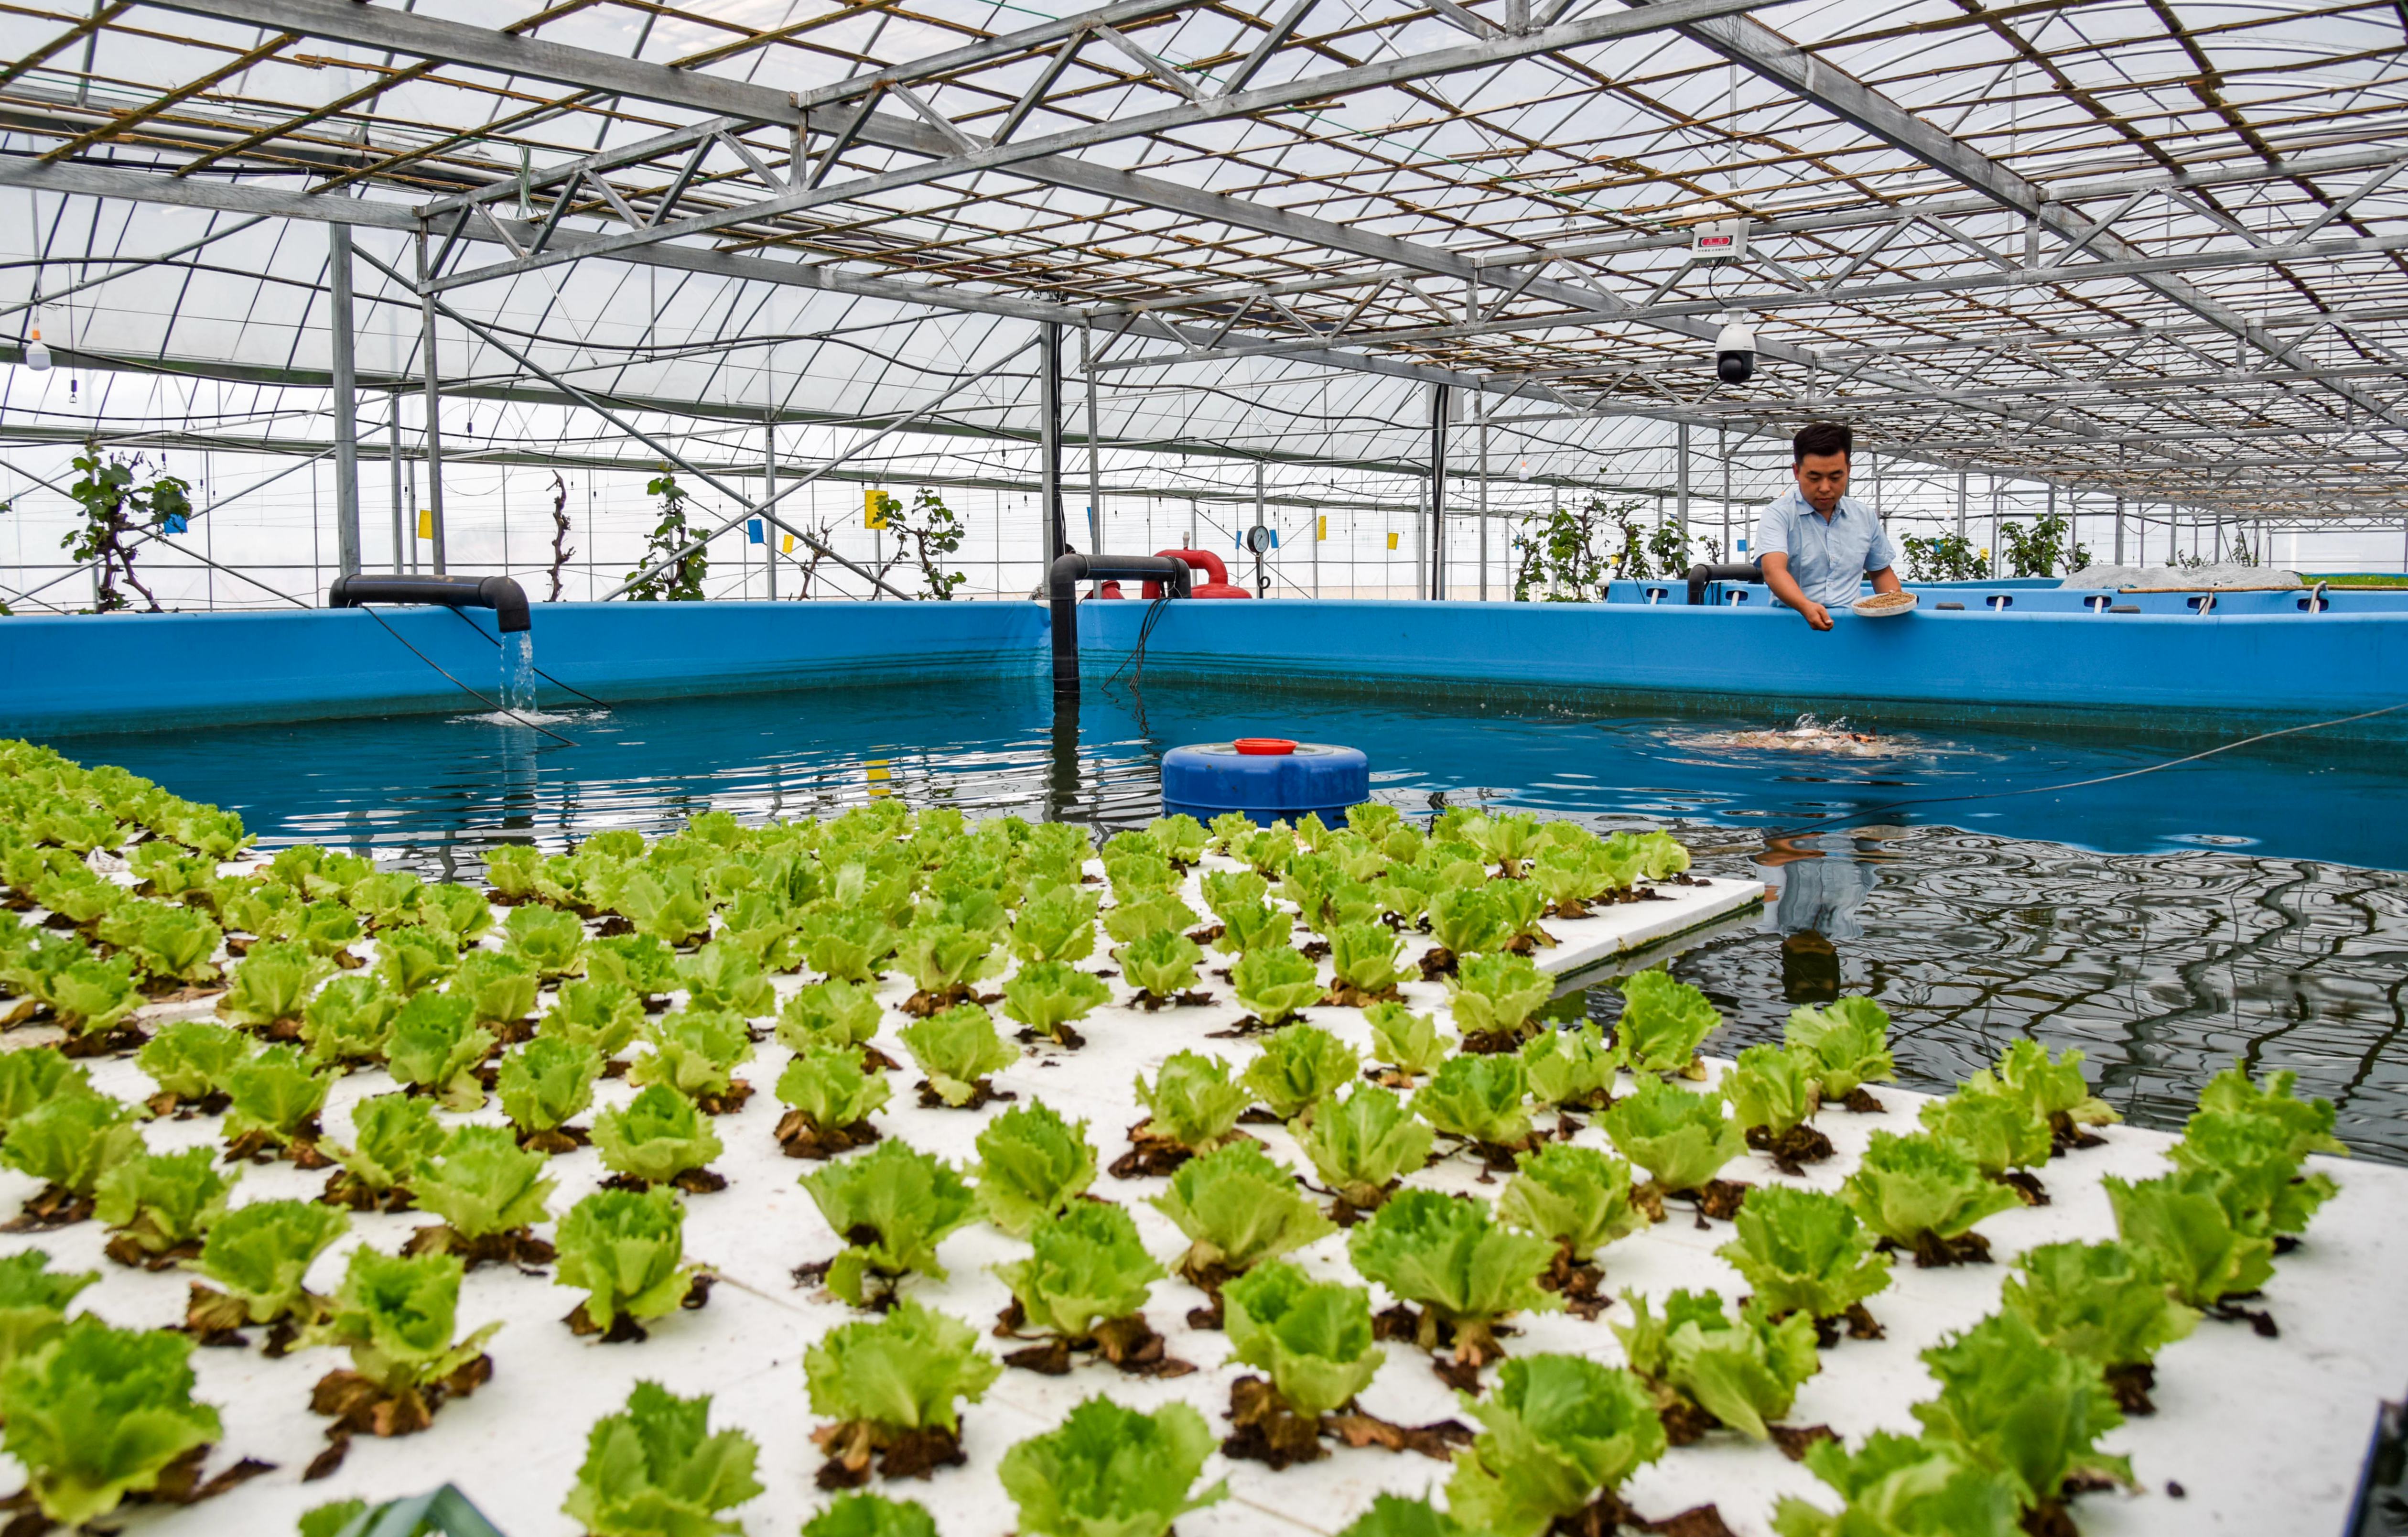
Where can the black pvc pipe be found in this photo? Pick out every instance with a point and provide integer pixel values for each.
(1726, 570)
(500, 594)
(1062, 596)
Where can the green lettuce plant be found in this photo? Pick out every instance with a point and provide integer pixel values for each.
(90, 996)
(512, 868)
(1898, 1485)
(1225, 889)
(261, 1253)
(189, 1060)
(1847, 1043)
(499, 987)
(828, 1092)
(848, 946)
(392, 1135)
(1362, 1141)
(862, 1515)
(545, 938)
(625, 1249)
(545, 1085)
(2257, 1157)
(659, 1136)
(1572, 1068)
(1110, 1471)
(1663, 1024)
(384, 898)
(484, 1186)
(1555, 1432)
(1032, 1165)
(830, 1014)
(435, 1047)
(694, 1051)
(396, 1317)
(1451, 1256)
(414, 957)
(889, 1382)
(1742, 1372)
(728, 979)
(763, 927)
(1314, 1338)
(1409, 1045)
(1047, 995)
(161, 1205)
(1466, 920)
(1142, 914)
(33, 1300)
(1179, 837)
(35, 1075)
(892, 1206)
(1804, 1253)
(1247, 927)
(2185, 1226)
(2009, 1402)
(1057, 925)
(1773, 1090)
(275, 1100)
(1578, 1197)
(328, 928)
(2104, 1303)
(668, 902)
(98, 1413)
(1364, 958)
(1481, 1098)
(604, 1015)
(2308, 1122)
(1682, 1138)
(69, 1142)
(657, 1469)
(958, 1048)
(1993, 1131)
(2052, 1089)
(1162, 964)
(941, 956)
(1300, 1066)
(458, 911)
(1237, 1207)
(643, 964)
(266, 912)
(349, 1021)
(1274, 983)
(174, 942)
(1495, 995)
(1192, 1101)
(1085, 1268)
(1920, 1194)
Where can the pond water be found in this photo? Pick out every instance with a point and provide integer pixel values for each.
(2248, 905)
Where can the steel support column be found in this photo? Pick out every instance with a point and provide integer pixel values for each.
(1441, 401)
(1049, 473)
(341, 332)
(434, 405)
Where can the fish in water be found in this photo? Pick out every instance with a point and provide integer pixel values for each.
(1809, 734)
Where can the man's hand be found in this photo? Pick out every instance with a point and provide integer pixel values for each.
(1816, 615)
(1785, 587)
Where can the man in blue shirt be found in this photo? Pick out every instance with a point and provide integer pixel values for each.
(1816, 541)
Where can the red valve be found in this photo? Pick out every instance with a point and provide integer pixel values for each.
(1263, 747)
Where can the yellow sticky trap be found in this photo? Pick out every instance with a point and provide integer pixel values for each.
(425, 523)
(790, 544)
(1321, 526)
(1392, 541)
(873, 509)
(876, 772)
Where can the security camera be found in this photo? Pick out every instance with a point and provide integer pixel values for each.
(1735, 353)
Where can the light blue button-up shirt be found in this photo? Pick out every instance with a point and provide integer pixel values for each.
(1828, 560)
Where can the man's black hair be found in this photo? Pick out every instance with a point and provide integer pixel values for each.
(1822, 437)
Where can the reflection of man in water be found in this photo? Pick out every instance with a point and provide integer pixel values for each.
(1818, 902)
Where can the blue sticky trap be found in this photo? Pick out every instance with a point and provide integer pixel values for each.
(176, 523)
(753, 531)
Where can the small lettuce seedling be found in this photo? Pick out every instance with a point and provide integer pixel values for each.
(1409, 1045)
(2104, 1303)
(1226, 889)
(69, 1143)
(327, 928)
(696, 1051)
(1493, 997)
(626, 1250)
(1682, 1138)
(862, 1515)
(830, 1014)
(1709, 1369)
(261, 1254)
(174, 943)
(1179, 837)
(349, 1021)
(1314, 1338)
(512, 868)
(159, 1206)
(1238, 1207)
(2256, 1157)
(275, 1100)
(31, 1076)
(890, 1386)
(1481, 1098)
(666, 902)
(392, 1136)
(436, 1048)
(1901, 1487)
(1663, 1024)
(1047, 995)
(271, 983)
(395, 1315)
(1578, 1197)
(413, 957)
(602, 1015)
(1161, 965)
(1362, 1142)
(726, 978)
(2052, 1089)
(1774, 1091)
(1364, 959)
(189, 1060)
(2010, 1403)
(1274, 983)
(1142, 914)
(1557, 1430)
(545, 1085)
(1996, 1132)
(944, 958)
(1057, 925)
(1192, 1102)
(89, 997)
(1523, 903)
(499, 987)
(546, 939)
(1299, 1065)
(2185, 1226)
(1449, 1254)
(1032, 1165)
(1847, 1044)
(384, 898)
(1110, 1471)
(489, 1191)
(1923, 1197)
(892, 1206)
(1804, 1252)
(1085, 1268)
(99, 1414)
(660, 1138)
(657, 1469)
(958, 1048)
(762, 926)
(1247, 927)
(829, 1097)
(458, 911)
(1570, 1068)
(641, 962)
(2308, 1123)
(34, 1301)
(1466, 920)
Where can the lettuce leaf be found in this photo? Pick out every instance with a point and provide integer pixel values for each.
(1086, 1266)
(902, 1371)
(1680, 1137)
(1576, 1196)
(1032, 1165)
(1238, 1207)
(1110, 1471)
(655, 1469)
(1804, 1252)
(626, 1250)
(98, 1413)
(1448, 1253)
(1555, 1431)
(1314, 1338)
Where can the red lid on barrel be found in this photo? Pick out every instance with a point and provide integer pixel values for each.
(1263, 747)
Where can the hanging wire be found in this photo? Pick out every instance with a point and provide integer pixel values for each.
(463, 688)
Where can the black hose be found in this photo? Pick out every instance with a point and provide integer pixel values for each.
(489, 704)
(537, 671)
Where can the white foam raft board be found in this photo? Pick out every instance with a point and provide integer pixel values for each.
(2265, 1436)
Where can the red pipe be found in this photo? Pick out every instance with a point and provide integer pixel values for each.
(1210, 565)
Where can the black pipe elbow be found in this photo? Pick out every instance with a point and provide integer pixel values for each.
(1062, 599)
(502, 594)
(1725, 570)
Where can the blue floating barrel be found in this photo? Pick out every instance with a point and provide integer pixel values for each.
(1270, 779)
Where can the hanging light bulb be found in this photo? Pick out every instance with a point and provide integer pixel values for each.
(37, 355)
(1525, 469)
